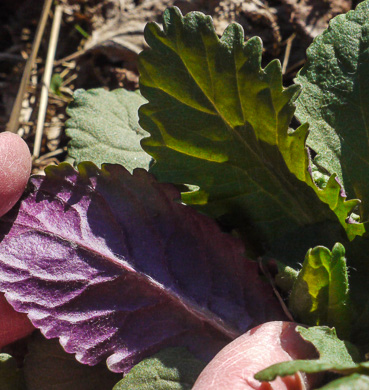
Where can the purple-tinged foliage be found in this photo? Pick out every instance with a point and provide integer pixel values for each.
(111, 264)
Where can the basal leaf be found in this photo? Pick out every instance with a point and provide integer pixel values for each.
(335, 100)
(170, 369)
(333, 352)
(219, 121)
(104, 128)
(115, 267)
(47, 366)
(320, 295)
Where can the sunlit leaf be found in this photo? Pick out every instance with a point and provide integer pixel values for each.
(219, 121)
(320, 294)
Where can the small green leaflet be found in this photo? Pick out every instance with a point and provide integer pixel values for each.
(104, 128)
(170, 369)
(334, 355)
(335, 101)
(320, 294)
(219, 121)
(55, 84)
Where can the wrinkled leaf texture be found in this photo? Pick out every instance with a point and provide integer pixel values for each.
(335, 101)
(219, 121)
(111, 264)
(169, 369)
(320, 294)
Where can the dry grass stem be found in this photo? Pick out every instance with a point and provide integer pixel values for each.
(46, 79)
(13, 123)
(287, 53)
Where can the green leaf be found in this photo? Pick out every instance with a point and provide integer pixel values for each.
(219, 121)
(104, 128)
(352, 382)
(320, 294)
(335, 101)
(47, 366)
(334, 356)
(55, 84)
(170, 369)
(11, 377)
(286, 277)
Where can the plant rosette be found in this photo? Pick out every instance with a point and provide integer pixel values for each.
(153, 251)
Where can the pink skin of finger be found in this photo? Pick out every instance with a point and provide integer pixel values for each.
(233, 368)
(13, 325)
(15, 168)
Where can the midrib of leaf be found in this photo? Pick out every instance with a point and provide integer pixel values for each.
(165, 135)
(202, 314)
(296, 217)
(188, 43)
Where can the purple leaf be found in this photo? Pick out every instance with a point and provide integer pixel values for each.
(111, 264)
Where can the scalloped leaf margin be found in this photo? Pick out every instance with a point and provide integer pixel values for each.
(112, 265)
(207, 96)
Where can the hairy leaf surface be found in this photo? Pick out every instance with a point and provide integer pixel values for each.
(104, 128)
(111, 264)
(219, 121)
(320, 295)
(169, 369)
(335, 101)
